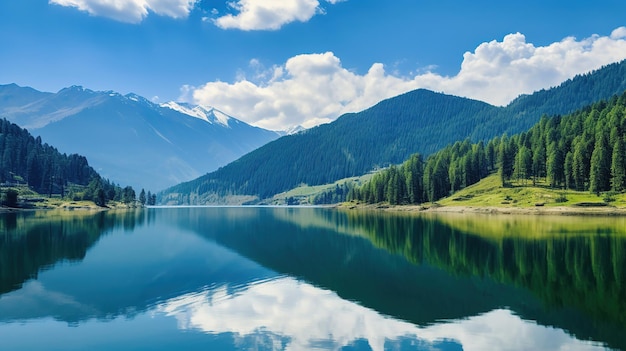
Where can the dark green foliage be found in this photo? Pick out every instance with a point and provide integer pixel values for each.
(128, 195)
(99, 197)
(10, 198)
(334, 195)
(100, 191)
(24, 158)
(523, 164)
(41, 166)
(150, 198)
(396, 185)
(142, 197)
(618, 166)
(419, 121)
(599, 176)
(572, 152)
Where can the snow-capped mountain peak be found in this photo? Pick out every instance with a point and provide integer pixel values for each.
(206, 113)
(294, 130)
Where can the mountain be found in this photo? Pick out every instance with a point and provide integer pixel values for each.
(129, 139)
(356, 143)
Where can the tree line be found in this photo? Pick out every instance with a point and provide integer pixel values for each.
(583, 151)
(388, 133)
(26, 160)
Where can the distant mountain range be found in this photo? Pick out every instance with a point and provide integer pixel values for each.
(129, 139)
(387, 133)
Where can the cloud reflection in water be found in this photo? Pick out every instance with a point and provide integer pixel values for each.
(286, 314)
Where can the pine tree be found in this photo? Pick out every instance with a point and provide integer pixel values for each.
(618, 166)
(580, 165)
(569, 171)
(128, 195)
(413, 170)
(599, 175)
(142, 197)
(555, 170)
(539, 162)
(151, 199)
(99, 197)
(523, 163)
(505, 162)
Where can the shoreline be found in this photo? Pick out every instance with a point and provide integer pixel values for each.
(487, 210)
(528, 211)
(65, 206)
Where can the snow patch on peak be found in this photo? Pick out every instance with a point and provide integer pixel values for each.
(294, 130)
(136, 98)
(112, 93)
(133, 97)
(185, 109)
(208, 114)
(220, 116)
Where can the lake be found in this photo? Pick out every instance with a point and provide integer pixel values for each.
(260, 278)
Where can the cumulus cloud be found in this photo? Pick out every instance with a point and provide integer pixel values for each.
(131, 11)
(315, 88)
(269, 15)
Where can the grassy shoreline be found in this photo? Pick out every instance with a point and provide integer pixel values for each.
(489, 197)
(67, 205)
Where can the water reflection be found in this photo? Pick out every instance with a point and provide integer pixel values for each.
(34, 241)
(132, 264)
(286, 314)
(286, 278)
(574, 266)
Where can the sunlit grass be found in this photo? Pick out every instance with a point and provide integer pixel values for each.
(490, 193)
(30, 199)
(309, 192)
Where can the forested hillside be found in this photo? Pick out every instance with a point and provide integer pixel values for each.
(130, 139)
(419, 121)
(571, 96)
(26, 160)
(41, 166)
(352, 145)
(581, 151)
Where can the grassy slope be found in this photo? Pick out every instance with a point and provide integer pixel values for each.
(307, 193)
(490, 193)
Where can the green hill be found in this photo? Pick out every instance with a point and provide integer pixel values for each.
(584, 152)
(388, 133)
(28, 163)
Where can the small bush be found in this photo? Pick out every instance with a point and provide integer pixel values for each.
(10, 198)
(609, 196)
(561, 198)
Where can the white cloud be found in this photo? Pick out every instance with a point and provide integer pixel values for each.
(304, 315)
(131, 11)
(269, 15)
(619, 33)
(315, 88)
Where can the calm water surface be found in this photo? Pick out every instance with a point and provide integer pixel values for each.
(309, 279)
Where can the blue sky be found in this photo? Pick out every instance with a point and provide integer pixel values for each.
(281, 63)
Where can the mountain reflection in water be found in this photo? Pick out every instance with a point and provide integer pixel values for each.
(309, 278)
